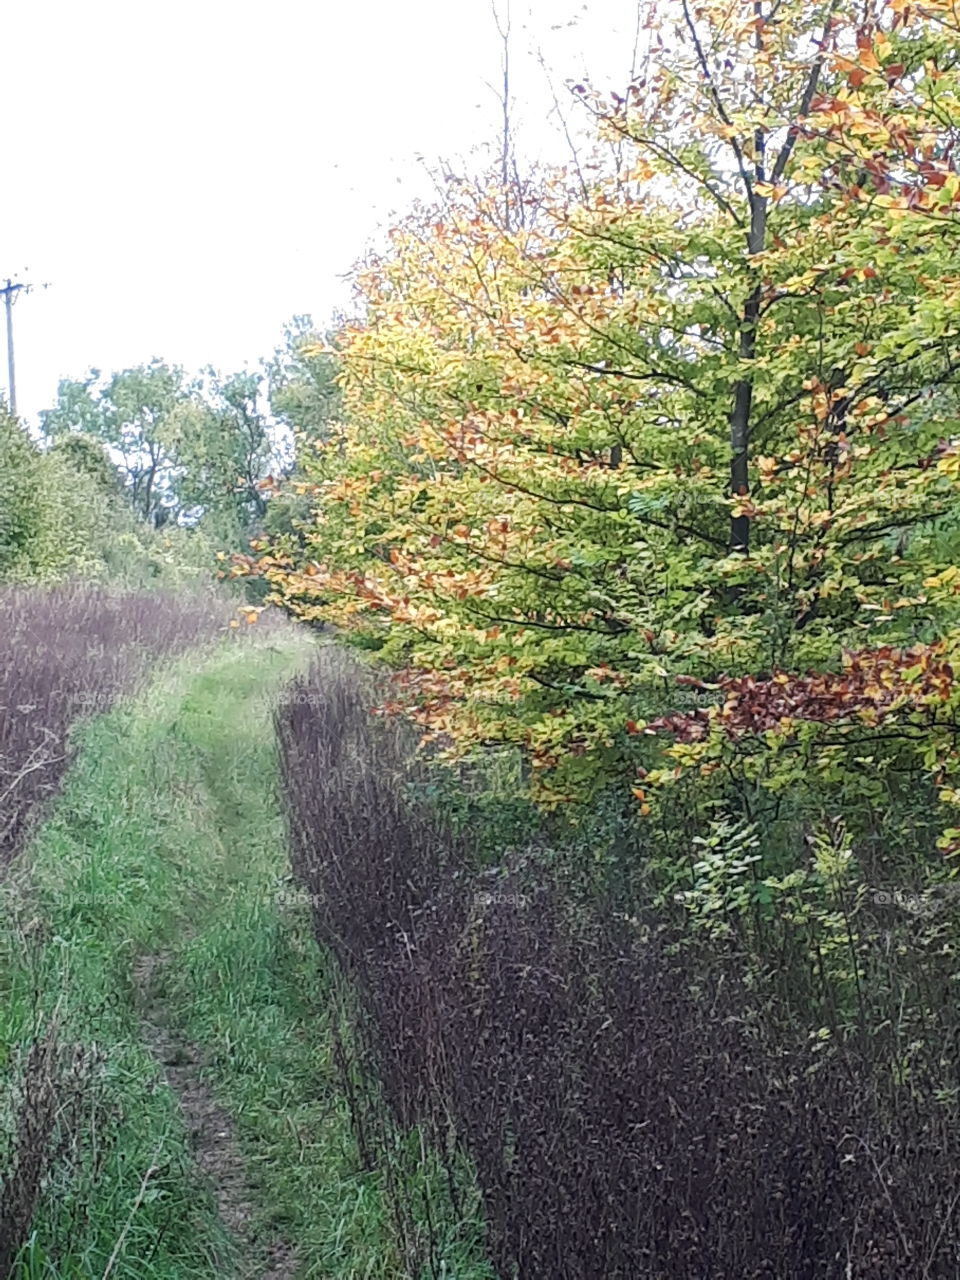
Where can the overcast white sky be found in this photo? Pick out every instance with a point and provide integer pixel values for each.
(188, 175)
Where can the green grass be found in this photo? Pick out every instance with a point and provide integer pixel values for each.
(168, 840)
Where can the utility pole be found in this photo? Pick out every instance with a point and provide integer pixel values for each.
(9, 292)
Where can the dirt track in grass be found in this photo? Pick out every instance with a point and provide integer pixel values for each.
(213, 1139)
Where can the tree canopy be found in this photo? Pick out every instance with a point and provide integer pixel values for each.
(187, 448)
(689, 421)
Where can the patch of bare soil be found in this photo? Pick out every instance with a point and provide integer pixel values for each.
(212, 1135)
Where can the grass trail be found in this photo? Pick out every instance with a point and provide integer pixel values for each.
(152, 919)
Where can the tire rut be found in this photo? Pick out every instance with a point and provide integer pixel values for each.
(215, 1147)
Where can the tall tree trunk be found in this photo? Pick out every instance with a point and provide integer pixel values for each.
(740, 425)
(743, 390)
(148, 486)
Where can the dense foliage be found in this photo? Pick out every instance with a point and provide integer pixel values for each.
(145, 476)
(689, 420)
(186, 448)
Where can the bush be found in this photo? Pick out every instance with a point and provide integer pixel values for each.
(88, 456)
(29, 520)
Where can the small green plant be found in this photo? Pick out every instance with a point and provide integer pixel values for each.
(725, 884)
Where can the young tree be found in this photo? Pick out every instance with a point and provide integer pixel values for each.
(61, 509)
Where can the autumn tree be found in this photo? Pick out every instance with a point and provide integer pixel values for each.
(692, 422)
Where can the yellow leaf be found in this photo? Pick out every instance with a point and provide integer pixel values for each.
(869, 60)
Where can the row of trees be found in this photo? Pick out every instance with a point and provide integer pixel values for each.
(199, 446)
(148, 471)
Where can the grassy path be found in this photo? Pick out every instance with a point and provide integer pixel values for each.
(199, 1130)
